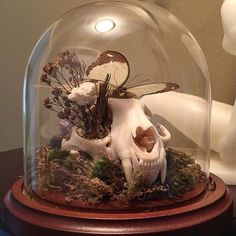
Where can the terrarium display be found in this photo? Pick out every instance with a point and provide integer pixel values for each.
(116, 110)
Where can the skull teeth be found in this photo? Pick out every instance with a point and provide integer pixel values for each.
(149, 163)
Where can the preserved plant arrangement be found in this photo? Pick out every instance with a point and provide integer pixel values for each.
(108, 150)
(116, 115)
(116, 111)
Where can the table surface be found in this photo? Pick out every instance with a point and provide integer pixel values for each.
(11, 167)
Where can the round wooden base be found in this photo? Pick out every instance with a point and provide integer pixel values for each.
(208, 214)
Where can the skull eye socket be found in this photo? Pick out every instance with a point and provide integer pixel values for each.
(145, 139)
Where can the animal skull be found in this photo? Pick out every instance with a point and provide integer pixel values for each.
(133, 139)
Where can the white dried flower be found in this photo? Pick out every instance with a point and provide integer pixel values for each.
(85, 94)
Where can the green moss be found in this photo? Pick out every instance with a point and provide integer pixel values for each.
(102, 169)
(101, 180)
(57, 154)
(106, 169)
(182, 172)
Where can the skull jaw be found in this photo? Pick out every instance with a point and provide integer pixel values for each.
(149, 170)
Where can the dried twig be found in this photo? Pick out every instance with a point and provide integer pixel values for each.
(66, 73)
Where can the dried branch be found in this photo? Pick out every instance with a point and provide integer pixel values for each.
(66, 73)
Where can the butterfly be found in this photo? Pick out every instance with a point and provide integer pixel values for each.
(117, 66)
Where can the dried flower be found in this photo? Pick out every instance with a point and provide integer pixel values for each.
(62, 115)
(48, 106)
(75, 100)
(57, 92)
(67, 110)
(47, 103)
(44, 79)
(51, 69)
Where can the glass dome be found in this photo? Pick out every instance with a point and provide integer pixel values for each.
(116, 109)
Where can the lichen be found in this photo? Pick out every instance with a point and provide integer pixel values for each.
(79, 177)
(79, 186)
(182, 172)
(136, 190)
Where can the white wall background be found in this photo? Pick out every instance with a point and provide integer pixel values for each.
(23, 21)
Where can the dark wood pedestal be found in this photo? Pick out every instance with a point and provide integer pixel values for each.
(208, 214)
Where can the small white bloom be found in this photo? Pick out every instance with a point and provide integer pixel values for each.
(85, 94)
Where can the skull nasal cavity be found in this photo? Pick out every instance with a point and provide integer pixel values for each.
(145, 138)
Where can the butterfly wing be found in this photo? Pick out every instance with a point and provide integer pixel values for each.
(110, 62)
(147, 89)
